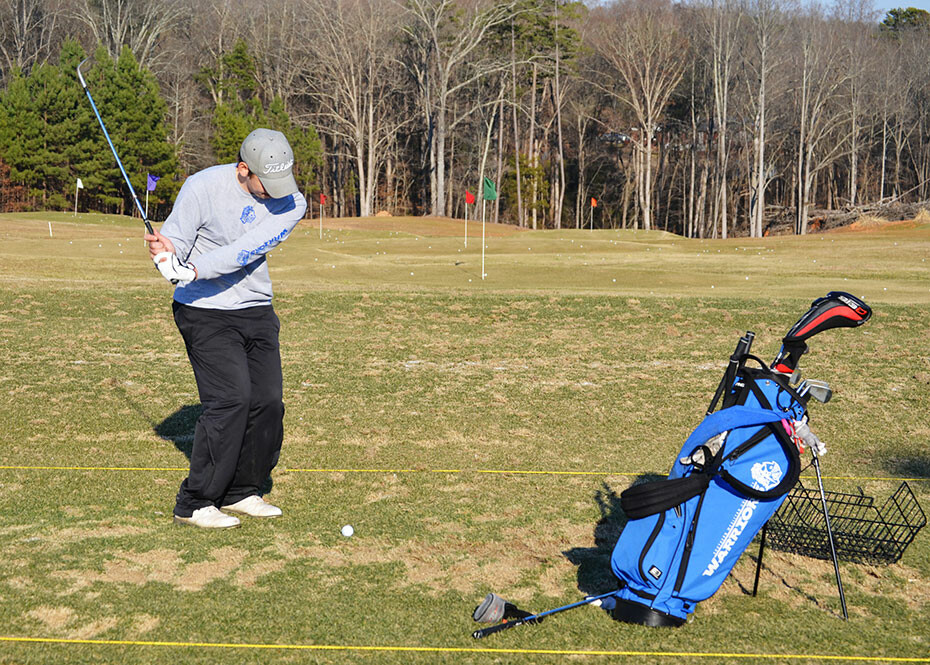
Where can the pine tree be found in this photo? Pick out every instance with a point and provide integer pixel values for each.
(64, 115)
(144, 132)
(83, 136)
(21, 134)
(239, 111)
(103, 181)
(128, 99)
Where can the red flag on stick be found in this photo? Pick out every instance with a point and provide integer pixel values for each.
(593, 202)
(322, 199)
(469, 197)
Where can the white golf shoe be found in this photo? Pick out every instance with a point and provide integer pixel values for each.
(209, 518)
(253, 506)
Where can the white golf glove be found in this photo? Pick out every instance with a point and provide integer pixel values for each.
(173, 270)
(803, 430)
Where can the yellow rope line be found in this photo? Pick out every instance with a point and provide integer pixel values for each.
(93, 468)
(513, 472)
(410, 649)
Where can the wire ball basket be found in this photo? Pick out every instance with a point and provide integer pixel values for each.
(862, 531)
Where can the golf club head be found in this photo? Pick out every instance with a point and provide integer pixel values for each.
(819, 390)
(494, 609)
(837, 309)
(491, 609)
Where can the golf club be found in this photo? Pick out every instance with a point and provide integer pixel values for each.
(819, 390)
(494, 608)
(106, 134)
(837, 309)
(533, 618)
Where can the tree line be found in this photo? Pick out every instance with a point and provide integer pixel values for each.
(707, 118)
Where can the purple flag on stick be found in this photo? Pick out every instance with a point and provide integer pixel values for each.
(153, 180)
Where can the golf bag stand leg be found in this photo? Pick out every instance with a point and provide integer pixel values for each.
(755, 584)
(826, 517)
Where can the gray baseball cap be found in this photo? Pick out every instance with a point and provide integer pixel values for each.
(269, 156)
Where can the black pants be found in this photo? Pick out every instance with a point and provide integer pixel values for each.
(237, 365)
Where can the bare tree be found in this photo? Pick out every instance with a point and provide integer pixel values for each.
(278, 32)
(521, 221)
(916, 48)
(722, 24)
(643, 45)
(852, 17)
(762, 58)
(557, 95)
(356, 80)
(822, 76)
(27, 31)
(213, 32)
(447, 39)
(138, 24)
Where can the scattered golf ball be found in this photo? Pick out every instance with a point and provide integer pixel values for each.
(347, 531)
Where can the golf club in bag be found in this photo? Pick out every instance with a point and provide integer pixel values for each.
(687, 531)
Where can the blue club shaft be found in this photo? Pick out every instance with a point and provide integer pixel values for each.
(533, 618)
(119, 162)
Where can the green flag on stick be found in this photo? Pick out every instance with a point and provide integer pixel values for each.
(490, 191)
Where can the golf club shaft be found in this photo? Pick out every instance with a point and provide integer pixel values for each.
(106, 134)
(826, 517)
(490, 630)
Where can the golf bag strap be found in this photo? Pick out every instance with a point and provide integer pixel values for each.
(647, 499)
(728, 419)
(658, 496)
(788, 480)
(750, 376)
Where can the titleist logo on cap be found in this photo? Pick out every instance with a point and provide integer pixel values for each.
(277, 168)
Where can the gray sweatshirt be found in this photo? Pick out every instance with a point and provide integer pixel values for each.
(226, 232)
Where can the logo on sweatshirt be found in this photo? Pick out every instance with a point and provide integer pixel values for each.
(245, 256)
(248, 215)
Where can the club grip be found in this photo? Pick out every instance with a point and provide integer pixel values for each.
(490, 630)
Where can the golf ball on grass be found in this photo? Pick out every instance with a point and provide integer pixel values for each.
(347, 531)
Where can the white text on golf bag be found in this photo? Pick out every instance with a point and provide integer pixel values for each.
(765, 475)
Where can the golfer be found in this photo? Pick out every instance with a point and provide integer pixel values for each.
(213, 246)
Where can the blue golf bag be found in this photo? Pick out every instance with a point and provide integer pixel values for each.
(686, 532)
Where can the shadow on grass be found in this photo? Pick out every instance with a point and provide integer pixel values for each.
(179, 428)
(909, 467)
(594, 574)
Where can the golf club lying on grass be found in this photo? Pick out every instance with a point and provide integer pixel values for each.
(487, 609)
(494, 608)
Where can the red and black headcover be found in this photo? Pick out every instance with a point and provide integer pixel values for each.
(837, 309)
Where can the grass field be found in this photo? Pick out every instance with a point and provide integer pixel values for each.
(476, 433)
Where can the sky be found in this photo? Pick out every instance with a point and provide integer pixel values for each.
(885, 5)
